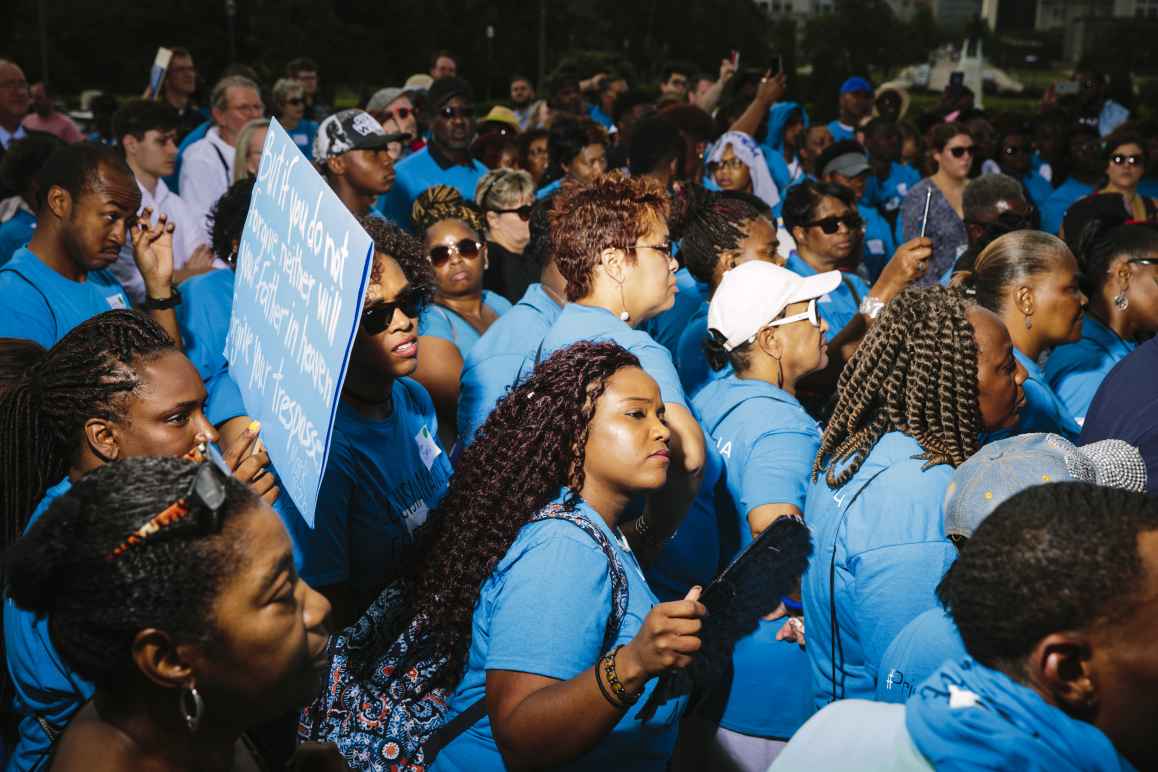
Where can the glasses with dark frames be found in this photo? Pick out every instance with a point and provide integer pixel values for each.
(831, 225)
(376, 318)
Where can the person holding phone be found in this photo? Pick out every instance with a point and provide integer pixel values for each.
(942, 220)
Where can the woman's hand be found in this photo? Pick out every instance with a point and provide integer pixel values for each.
(248, 460)
(909, 263)
(668, 639)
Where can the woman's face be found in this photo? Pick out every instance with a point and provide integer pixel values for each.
(999, 375)
(1126, 166)
(759, 243)
(1138, 282)
(649, 275)
(537, 158)
(627, 446)
(732, 173)
(253, 151)
(269, 651)
(293, 108)
(829, 247)
(1058, 302)
(589, 164)
(164, 415)
(956, 158)
(393, 352)
(508, 228)
(460, 275)
(802, 347)
(399, 116)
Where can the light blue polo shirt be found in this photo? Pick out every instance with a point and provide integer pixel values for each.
(919, 649)
(417, 172)
(1043, 412)
(888, 194)
(879, 244)
(878, 552)
(543, 610)
(1053, 211)
(204, 314)
(16, 233)
(839, 306)
(691, 361)
(442, 322)
(840, 132)
(1075, 370)
(768, 443)
(495, 363)
(667, 327)
(41, 305)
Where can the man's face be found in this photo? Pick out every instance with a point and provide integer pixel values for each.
(1013, 155)
(589, 164)
(568, 99)
(794, 129)
(182, 76)
(444, 67)
(155, 153)
(855, 184)
(856, 104)
(242, 105)
(889, 105)
(94, 229)
(522, 93)
(1015, 213)
(1086, 154)
(309, 81)
(675, 86)
(884, 144)
(453, 124)
(15, 98)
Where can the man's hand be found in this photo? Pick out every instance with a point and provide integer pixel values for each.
(153, 253)
(772, 88)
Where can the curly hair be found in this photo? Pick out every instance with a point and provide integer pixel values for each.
(613, 211)
(530, 446)
(227, 219)
(915, 372)
(442, 202)
(86, 374)
(406, 250)
(1038, 544)
(714, 225)
(95, 605)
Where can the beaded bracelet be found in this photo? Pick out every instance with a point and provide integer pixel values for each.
(613, 681)
(606, 694)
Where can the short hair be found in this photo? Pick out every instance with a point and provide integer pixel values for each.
(517, 77)
(940, 134)
(227, 218)
(405, 248)
(693, 121)
(284, 88)
(25, 158)
(654, 143)
(76, 169)
(1051, 558)
(629, 100)
(801, 201)
(503, 189)
(982, 194)
(671, 68)
(181, 51)
(244, 139)
(95, 606)
(1102, 242)
(1126, 135)
(1009, 259)
(527, 138)
(439, 54)
(139, 116)
(219, 97)
(539, 245)
(614, 211)
(300, 64)
(569, 137)
(878, 124)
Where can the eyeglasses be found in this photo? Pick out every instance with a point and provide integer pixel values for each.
(831, 225)
(1008, 221)
(963, 150)
(524, 212)
(664, 248)
(468, 248)
(731, 165)
(377, 317)
(295, 101)
(1120, 159)
(810, 315)
(449, 112)
(203, 501)
(401, 114)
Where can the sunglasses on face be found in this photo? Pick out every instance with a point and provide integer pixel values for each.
(295, 101)
(467, 248)
(810, 315)
(377, 317)
(401, 114)
(962, 151)
(1120, 159)
(831, 225)
(449, 112)
(524, 212)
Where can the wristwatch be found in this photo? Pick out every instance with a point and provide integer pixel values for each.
(871, 307)
(160, 304)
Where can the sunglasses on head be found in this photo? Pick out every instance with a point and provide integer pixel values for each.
(377, 317)
(962, 151)
(449, 112)
(831, 225)
(524, 212)
(468, 248)
(1120, 159)
(201, 504)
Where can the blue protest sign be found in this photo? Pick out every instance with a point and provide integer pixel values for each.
(301, 277)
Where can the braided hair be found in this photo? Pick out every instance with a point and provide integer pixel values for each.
(442, 202)
(915, 372)
(714, 225)
(42, 416)
(530, 446)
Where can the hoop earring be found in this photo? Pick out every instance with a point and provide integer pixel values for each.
(1121, 302)
(192, 717)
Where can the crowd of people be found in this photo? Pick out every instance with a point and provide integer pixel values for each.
(625, 347)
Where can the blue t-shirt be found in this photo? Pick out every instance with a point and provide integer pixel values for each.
(543, 610)
(840, 132)
(595, 113)
(204, 314)
(578, 322)
(44, 686)
(879, 544)
(1038, 188)
(919, 649)
(1043, 411)
(382, 480)
(16, 233)
(839, 306)
(303, 136)
(691, 361)
(666, 328)
(879, 244)
(1053, 211)
(549, 188)
(417, 172)
(441, 322)
(41, 305)
(1075, 370)
(888, 194)
(495, 363)
(768, 443)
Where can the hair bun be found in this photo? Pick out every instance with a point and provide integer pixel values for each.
(36, 572)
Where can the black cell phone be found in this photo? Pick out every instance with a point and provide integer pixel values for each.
(956, 83)
(777, 65)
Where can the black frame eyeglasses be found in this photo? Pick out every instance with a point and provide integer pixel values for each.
(830, 225)
(376, 318)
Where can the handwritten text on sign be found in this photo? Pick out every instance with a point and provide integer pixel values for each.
(301, 273)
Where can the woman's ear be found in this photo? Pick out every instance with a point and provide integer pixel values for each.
(492, 220)
(770, 343)
(161, 659)
(797, 234)
(613, 261)
(1124, 272)
(101, 436)
(1024, 299)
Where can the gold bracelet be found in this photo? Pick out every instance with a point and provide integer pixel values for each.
(613, 681)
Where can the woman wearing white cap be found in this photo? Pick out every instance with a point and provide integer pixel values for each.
(762, 321)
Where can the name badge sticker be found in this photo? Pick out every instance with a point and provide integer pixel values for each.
(428, 449)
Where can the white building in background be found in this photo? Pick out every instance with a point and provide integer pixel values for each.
(950, 13)
(1055, 14)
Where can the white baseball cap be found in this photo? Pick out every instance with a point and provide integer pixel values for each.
(753, 294)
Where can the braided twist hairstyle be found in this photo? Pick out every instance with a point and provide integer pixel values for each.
(42, 416)
(915, 372)
(442, 202)
(531, 446)
(713, 225)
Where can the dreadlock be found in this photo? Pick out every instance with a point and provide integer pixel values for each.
(714, 226)
(915, 372)
(42, 415)
(442, 202)
(530, 446)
